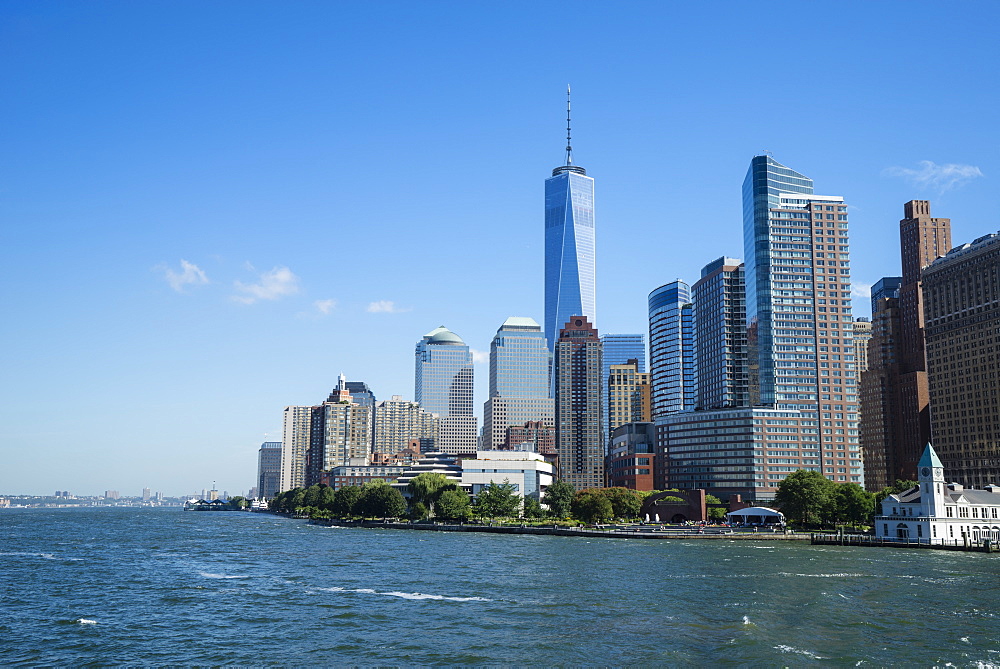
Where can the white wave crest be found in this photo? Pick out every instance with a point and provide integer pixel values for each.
(208, 574)
(86, 621)
(44, 556)
(844, 575)
(408, 595)
(746, 620)
(797, 651)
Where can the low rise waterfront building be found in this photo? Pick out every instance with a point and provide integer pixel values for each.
(632, 459)
(527, 471)
(937, 512)
(436, 463)
(358, 475)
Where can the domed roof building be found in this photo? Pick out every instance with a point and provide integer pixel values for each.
(443, 385)
(442, 335)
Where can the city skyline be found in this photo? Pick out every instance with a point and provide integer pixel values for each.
(208, 226)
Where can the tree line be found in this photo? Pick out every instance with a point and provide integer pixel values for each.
(808, 498)
(435, 496)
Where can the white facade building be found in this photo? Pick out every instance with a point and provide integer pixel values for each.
(528, 471)
(937, 512)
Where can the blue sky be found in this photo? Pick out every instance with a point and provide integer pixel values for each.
(210, 210)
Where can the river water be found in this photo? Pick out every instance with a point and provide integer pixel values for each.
(162, 586)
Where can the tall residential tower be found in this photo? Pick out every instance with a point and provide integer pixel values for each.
(798, 301)
(579, 437)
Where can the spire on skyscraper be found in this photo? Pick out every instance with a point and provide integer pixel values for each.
(569, 144)
(569, 242)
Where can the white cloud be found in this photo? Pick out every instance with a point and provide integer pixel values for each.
(938, 177)
(190, 275)
(279, 282)
(479, 357)
(325, 306)
(861, 290)
(385, 307)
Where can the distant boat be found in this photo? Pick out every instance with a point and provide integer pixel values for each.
(203, 505)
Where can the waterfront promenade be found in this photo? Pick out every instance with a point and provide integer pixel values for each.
(604, 532)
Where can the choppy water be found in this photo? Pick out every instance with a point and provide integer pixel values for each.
(160, 586)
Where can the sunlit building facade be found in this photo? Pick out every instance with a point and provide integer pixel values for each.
(579, 433)
(444, 385)
(720, 335)
(296, 435)
(398, 422)
(519, 381)
(570, 253)
(672, 364)
(628, 394)
(618, 349)
(961, 294)
(798, 299)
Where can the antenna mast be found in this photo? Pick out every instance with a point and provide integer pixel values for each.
(569, 144)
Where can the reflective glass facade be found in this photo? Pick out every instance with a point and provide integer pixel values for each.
(519, 380)
(800, 347)
(444, 374)
(672, 362)
(443, 385)
(720, 335)
(570, 262)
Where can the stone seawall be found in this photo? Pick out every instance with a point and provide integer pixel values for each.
(642, 532)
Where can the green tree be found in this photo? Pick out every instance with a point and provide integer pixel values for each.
(326, 498)
(499, 500)
(381, 500)
(418, 511)
(238, 502)
(805, 496)
(294, 498)
(454, 505)
(532, 509)
(715, 513)
(625, 503)
(345, 500)
(854, 504)
(591, 506)
(312, 495)
(428, 487)
(559, 498)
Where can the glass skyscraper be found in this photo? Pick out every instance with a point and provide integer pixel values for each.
(519, 381)
(443, 385)
(672, 362)
(720, 334)
(800, 347)
(569, 246)
(444, 374)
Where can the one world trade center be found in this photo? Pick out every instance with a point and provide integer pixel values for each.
(569, 244)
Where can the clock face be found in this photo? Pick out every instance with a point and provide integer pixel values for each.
(926, 471)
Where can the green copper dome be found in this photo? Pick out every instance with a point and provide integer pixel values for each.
(442, 335)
